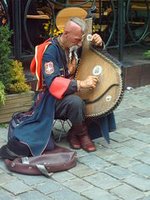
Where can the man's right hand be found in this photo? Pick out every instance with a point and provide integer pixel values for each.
(89, 83)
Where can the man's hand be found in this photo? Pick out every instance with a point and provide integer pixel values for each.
(89, 83)
(96, 40)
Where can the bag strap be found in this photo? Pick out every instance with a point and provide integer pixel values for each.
(44, 171)
(41, 168)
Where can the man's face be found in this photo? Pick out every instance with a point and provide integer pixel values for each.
(75, 39)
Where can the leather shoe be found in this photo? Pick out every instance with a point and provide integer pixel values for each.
(86, 143)
(73, 141)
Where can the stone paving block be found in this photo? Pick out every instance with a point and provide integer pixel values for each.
(99, 194)
(142, 137)
(144, 120)
(32, 180)
(144, 114)
(141, 169)
(63, 176)
(4, 195)
(146, 129)
(146, 198)
(123, 174)
(94, 162)
(119, 118)
(34, 195)
(100, 143)
(119, 160)
(128, 151)
(130, 124)
(103, 181)
(127, 192)
(3, 166)
(128, 114)
(144, 157)
(133, 162)
(128, 132)
(123, 106)
(119, 138)
(135, 144)
(1, 171)
(139, 182)
(78, 185)
(2, 142)
(49, 187)
(143, 105)
(16, 187)
(6, 178)
(112, 144)
(104, 153)
(82, 170)
(118, 172)
(146, 150)
(3, 133)
(66, 194)
(138, 102)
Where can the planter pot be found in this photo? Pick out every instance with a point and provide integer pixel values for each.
(15, 103)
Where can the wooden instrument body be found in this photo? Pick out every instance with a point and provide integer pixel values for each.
(108, 92)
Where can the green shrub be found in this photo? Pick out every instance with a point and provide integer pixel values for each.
(12, 78)
(17, 78)
(2, 94)
(147, 54)
(5, 52)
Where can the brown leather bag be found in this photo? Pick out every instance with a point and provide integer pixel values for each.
(45, 164)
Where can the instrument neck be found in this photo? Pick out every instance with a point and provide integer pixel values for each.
(86, 43)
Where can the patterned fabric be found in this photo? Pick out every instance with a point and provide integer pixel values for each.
(36, 63)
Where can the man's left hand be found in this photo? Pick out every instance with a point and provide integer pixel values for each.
(97, 40)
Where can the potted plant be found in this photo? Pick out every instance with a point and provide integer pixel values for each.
(15, 93)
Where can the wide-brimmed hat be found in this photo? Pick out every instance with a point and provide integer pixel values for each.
(66, 13)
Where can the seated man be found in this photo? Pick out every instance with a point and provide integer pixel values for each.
(55, 70)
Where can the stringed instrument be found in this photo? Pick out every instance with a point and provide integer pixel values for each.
(109, 90)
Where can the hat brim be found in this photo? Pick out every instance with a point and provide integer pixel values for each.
(66, 13)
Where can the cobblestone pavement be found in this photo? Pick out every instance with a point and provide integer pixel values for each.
(118, 171)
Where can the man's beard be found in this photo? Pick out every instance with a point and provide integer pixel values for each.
(73, 50)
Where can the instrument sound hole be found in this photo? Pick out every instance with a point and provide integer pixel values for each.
(89, 37)
(108, 98)
(97, 70)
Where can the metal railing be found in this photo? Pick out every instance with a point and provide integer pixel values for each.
(127, 22)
